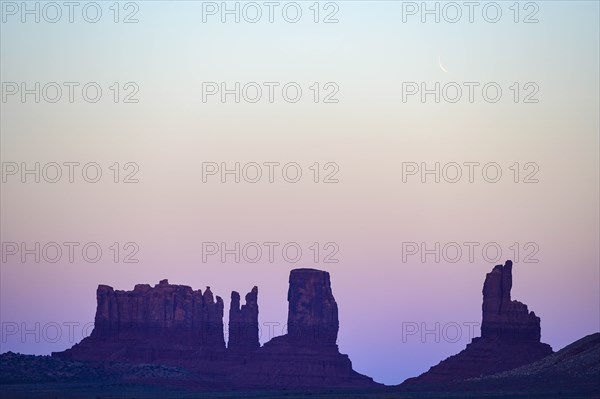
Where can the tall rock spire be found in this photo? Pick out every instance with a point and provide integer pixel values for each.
(504, 319)
(243, 322)
(510, 336)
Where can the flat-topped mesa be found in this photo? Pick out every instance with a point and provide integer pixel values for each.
(243, 323)
(164, 311)
(152, 324)
(504, 319)
(312, 310)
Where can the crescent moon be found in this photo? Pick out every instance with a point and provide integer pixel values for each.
(441, 66)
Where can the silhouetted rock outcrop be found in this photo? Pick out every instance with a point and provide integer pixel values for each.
(312, 311)
(243, 323)
(168, 324)
(510, 336)
(174, 325)
(504, 319)
(308, 355)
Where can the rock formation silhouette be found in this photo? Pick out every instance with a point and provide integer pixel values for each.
(308, 354)
(243, 323)
(503, 318)
(510, 336)
(175, 325)
(312, 310)
(164, 324)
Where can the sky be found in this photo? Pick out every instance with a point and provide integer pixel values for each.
(406, 156)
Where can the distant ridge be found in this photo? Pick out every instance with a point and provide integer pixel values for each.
(577, 364)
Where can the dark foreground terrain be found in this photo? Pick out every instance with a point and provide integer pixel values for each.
(129, 391)
(573, 372)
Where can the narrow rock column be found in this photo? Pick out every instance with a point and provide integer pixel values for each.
(243, 322)
(504, 319)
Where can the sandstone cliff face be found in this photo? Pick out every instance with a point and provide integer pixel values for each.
(510, 336)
